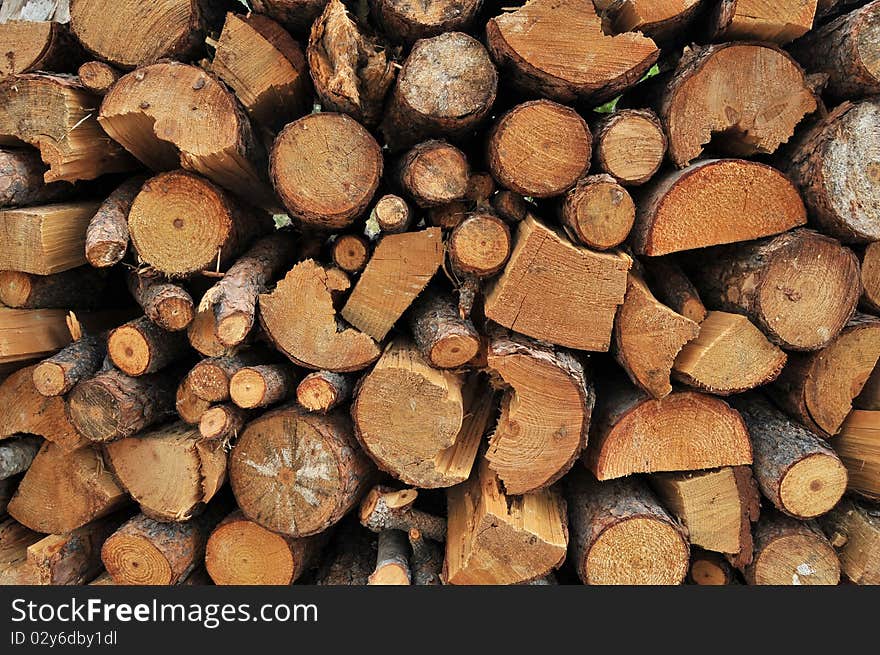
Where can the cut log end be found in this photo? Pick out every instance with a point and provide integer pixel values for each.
(630, 146)
(393, 214)
(50, 379)
(480, 245)
(813, 485)
(598, 212)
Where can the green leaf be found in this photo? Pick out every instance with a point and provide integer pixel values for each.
(654, 70)
(282, 220)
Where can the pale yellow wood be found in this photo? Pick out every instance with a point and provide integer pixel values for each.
(858, 446)
(45, 240)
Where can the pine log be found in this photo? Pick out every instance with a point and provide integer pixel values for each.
(447, 216)
(190, 407)
(795, 468)
(818, 388)
(629, 145)
(179, 207)
(209, 379)
(790, 552)
(150, 111)
(45, 240)
(30, 44)
(385, 508)
(443, 338)
(140, 347)
(421, 424)
(479, 246)
(662, 20)
(672, 287)
(838, 173)
(434, 173)
(78, 288)
(401, 266)
(621, 535)
(648, 336)
(112, 405)
(295, 15)
(686, 431)
(853, 528)
(713, 202)
(392, 214)
(58, 374)
(296, 473)
(510, 206)
(597, 212)
(858, 445)
(569, 299)
(710, 569)
(73, 558)
(564, 54)
(170, 471)
(265, 67)
(539, 148)
(445, 89)
(320, 186)
(14, 541)
(107, 235)
(17, 454)
(870, 272)
(21, 180)
(223, 422)
(717, 507)
(23, 409)
(729, 355)
(144, 551)
(166, 304)
(322, 391)
(63, 490)
(545, 412)
(496, 539)
(407, 22)
(775, 281)
(392, 560)
(98, 76)
(242, 552)
(262, 385)
(731, 92)
(352, 71)
(759, 20)
(350, 252)
(57, 115)
(426, 560)
(299, 318)
(202, 335)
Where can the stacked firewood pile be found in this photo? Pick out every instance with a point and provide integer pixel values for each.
(450, 292)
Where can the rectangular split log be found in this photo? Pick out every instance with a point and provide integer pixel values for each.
(858, 446)
(853, 528)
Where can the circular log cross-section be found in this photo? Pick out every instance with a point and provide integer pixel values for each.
(407, 21)
(434, 173)
(598, 212)
(326, 168)
(630, 146)
(479, 245)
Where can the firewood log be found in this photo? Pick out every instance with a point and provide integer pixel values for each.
(565, 55)
(30, 44)
(58, 374)
(731, 90)
(710, 569)
(705, 205)
(107, 235)
(17, 454)
(597, 212)
(351, 557)
(140, 347)
(350, 252)
(445, 89)
(510, 206)
(189, 406)
(486, 527)
(856, 445)
(629, 145)
(21, 180)
(757, 20)
(570, 302)
(818, 388)
(671, 286)
(166, 304)
(478, 247)
(392, 214)
(322, 391)
(870, 272)
(242, 552)
(408, 22)
(774, 281)
(853, 528)
(265, 67)
(112, 405)
(385, 508)
(170, 471)
(685, 431)
(621, 535)
(392, 560)
(662, 20)
(57, 115)
(14, 541)
(296, 473)
(98, 76)
(295, 15)
(77, 288)
(443, 338)
(790, 552)
(223, 422)
(426, 561)
(209, 379)
(837, 171)
(433, 173)
(64, 490)
(262, 385)
(648, 336)
(845, 49)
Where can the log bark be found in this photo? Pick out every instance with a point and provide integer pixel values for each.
(295, 15)
(17, 454)
(321, 188)
(21, 180)
(78, 288)
(758, 20)
(80, 360)
(242, 552)
(401, 266)
(790, 552)
(350, 252)
(62, 490)
(648, 336)
(300, 320)
(836, 170)
(853, 528)
(392, 560)
(686, 431)
(845, 50)
(672, 287)
(565, 55)
(629, 145)
(322, 391)
(704, 205)
(443, 338)
(107, 235)
(445, 89)
(98, 76)
(621, 535)
(426, 561)
(262, 385)
(494, 539)
(385, 508)
(729, 90)
(479, 246)
(597, 212)
(140, 347)
(311, 461)
(351, 70)
(569, 300)
(170, 471)
(433, 173)
(30, 44)
(392, 214)
(190, 407)
(166, 304)
(112, 405)
(545, 412)
(407, 22)
(856, 445)
(662, 20)
(772, 281)
(818, 388)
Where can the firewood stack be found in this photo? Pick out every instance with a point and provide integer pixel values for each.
(439, 293)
